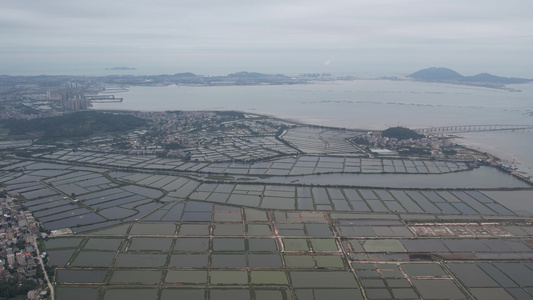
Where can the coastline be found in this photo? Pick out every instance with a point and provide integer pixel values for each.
(363, 105)
(518, 164)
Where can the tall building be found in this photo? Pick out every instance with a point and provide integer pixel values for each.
(74, 99)
(21, 258)
(11, 259)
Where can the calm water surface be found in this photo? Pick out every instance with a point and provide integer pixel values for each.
(514, 148)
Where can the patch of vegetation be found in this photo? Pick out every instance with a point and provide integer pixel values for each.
(401, 133)
(409, 150)
(74, 126)
(449, 151)
(173, 146)
(361, 141)
(9, 288)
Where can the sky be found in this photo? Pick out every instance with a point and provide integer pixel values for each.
(213, 37)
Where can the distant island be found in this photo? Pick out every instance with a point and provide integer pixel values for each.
(120, 69)
(186, 78)
(435, 74)
(90, 84)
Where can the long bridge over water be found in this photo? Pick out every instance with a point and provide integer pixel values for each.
(472, 128)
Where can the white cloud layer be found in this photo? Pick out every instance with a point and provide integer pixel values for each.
(275, 36)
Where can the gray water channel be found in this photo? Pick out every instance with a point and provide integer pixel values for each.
(479, 178)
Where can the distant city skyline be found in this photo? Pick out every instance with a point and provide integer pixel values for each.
(366, 38)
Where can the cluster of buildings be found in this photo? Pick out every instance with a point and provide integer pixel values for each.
(195, 136)
(174, 129)
(377, 141)
(18, 230)
(11, 112)
(198, 136)
(73, 99)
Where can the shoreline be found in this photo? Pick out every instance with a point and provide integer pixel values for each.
(509, 160)
(503, 158)
(369, 100)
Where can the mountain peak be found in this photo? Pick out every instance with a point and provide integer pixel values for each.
(449, 75)
(436, 74)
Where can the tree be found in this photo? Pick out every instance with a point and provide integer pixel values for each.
(10, 288)
(20, 244)
(401, 133)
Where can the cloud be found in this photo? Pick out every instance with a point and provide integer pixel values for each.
(271, 32)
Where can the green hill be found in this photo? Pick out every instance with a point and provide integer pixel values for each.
(75, 125)
(401, 133)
